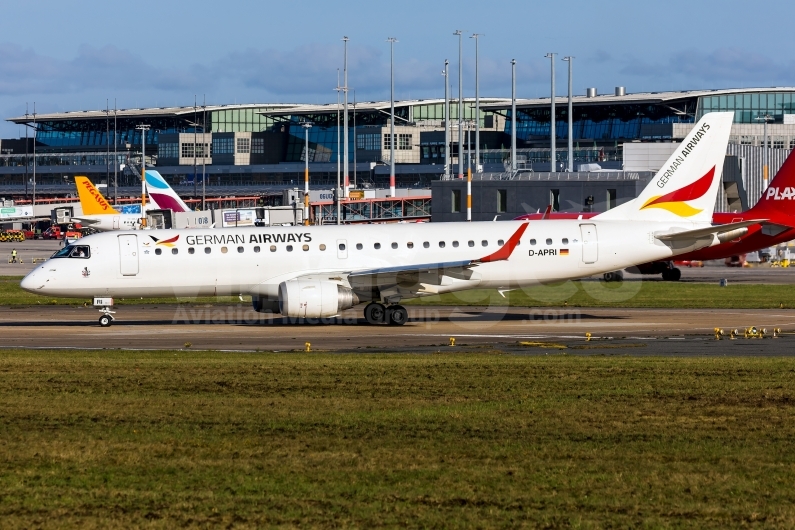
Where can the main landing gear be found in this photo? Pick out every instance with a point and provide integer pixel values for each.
(376, 313)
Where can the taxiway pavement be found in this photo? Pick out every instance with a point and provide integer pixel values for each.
(238, 327)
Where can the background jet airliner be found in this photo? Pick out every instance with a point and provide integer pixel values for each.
(318, 271)
(100, 215)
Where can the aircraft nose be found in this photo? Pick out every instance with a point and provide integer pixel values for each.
(33, 282)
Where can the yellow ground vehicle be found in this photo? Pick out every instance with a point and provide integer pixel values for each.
(12, 236)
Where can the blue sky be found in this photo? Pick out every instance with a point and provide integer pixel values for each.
(75, 55)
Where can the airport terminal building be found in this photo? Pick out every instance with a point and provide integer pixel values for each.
(265, 145)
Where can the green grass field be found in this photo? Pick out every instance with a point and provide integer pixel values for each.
(652, 294)
(176, 438)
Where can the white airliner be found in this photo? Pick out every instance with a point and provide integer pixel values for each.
(100, 215)
(318, 271)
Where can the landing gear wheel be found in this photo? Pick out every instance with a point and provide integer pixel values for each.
(615, 276)
(675, 275)
(105, 321)
(397, 315)
(375, 313)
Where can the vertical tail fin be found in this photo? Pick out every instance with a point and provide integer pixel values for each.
(777, 202)
(164, 197)
(686, 187)
(91, 200)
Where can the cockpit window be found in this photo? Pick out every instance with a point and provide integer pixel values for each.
(74, 251)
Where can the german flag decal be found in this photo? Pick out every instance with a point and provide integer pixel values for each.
(564, 252)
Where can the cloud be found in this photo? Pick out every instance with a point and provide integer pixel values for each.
(716, 67)
(108, 67)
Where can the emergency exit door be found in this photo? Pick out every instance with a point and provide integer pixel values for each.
(590, 243)
(128, 255)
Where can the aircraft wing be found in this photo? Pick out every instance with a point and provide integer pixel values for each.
(86, 220)
(720, 232)
(412, 277)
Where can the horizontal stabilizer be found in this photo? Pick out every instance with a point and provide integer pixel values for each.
(689, 235)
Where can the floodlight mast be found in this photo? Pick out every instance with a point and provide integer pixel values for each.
(345, 155)
(306, 125)
(446, 120)
(392, 41)
(570, 164)
(143, 128)
(477, 36)
(552, 150)
(514, 166)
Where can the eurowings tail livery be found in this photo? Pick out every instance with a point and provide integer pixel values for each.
(162, 194)
(318, 271)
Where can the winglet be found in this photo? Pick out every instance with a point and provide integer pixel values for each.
(92, 201)
(507, 249)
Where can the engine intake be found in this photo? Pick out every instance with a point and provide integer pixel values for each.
(314, 298)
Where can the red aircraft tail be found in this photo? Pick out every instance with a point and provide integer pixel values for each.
(778, 200)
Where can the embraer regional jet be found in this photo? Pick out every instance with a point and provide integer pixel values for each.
(318, 271)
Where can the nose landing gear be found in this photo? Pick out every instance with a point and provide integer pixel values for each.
(104, 305)
(376, 313)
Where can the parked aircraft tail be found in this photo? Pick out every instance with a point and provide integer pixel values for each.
(686, 186)
(91, 199)
(777, 202)
(162, 195)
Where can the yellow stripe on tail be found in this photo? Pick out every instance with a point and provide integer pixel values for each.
(92, 201)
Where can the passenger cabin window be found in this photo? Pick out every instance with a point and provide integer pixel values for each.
(426, 244)
(342, 246)
(455, 244)
(322, 247)
(441, 244)
(532, 241)
(74, 251)
(158, 251)
(224, 250)
(565, 241)
(471, 243)
(191, 250)
(305, 248)
(359, 246)
(175, 251)
(207, 250)
(273, 248)
(256, 249)
(549, 241)
(484, 243)
(239, 250)
(394, 245)
(410, 244)
(289, 248)
(376, 246)
(500, 242)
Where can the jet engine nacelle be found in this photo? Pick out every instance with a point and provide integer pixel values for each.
(314, 298)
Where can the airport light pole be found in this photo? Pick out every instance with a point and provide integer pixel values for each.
(337, 191)
(306, 125)
(345, 121)
(552, 151)
(570, 59)
(26, 150)
(446, 121)
(461, 114)
(766, 118)
(205, 149)
(143, 128)
(35, 134)
(195, 118)
(115, 157)
(477, 36)
(514, 166)
(392, 41)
